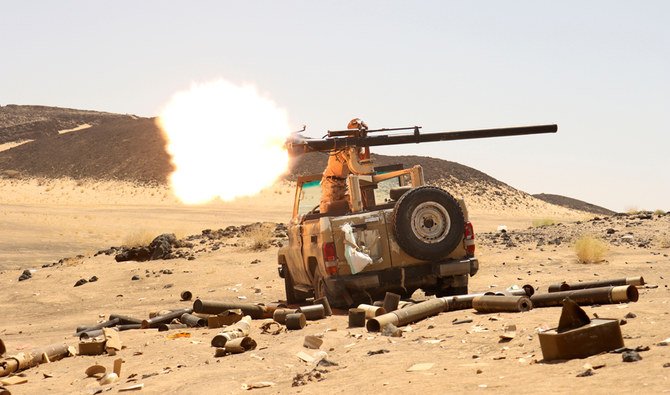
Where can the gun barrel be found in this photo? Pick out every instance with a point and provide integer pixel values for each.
(300, 146)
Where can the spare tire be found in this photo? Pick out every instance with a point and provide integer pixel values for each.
(428, 223)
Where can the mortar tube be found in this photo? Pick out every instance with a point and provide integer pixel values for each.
(410, 314)
(391, 301)
(192, 320)
(499, 304)
(186, 295)
(164, 319)
(280, 315)
(125, 320)
(169, 327)
(90, 334)
(326, 305)
(32, 358)
(589, 296)
(154, 314)
(271, 307)
(313, 312)
(296, 321)
(106, 324)
(128, 327)
(372, 311)
(563, 286)
(209, 307)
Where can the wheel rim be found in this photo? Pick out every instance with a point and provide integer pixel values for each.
(430, 222)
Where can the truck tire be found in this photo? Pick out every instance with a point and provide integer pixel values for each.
(428, 223)
(321, 290)
(292, 297)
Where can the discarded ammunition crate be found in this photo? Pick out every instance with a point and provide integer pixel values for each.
(600, 335)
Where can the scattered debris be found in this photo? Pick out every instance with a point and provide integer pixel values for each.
(464, 321)
(418, 367)
(260, 384)
(80, 282)
(27, 274)
(133, 387)
(631, 356)
(586, 373)
(315, 374)
(312, 342)
(377, 352)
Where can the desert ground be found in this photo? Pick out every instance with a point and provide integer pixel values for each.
(43, 221)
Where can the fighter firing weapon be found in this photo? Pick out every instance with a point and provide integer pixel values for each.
(352, 140)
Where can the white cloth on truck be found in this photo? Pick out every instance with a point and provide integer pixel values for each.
(356, 259)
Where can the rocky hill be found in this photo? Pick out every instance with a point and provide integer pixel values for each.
(18, 123)
(574, 204)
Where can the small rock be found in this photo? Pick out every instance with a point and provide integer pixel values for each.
(631, 356)
(81, 281)
(391, 331)
(135, 277)
(93, 279)
(586, 373)
(376, 352)
(25, 275)
(630, 315)
(666, 365)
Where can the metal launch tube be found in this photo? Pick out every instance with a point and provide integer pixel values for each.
(32, 358)
(106, 324)
(125, 320)
(237, 330)
(209, 307)
(280, 315)
(164, 319)
(409, 314)
(372, 311)
(589, 296)
(498, 304)
(391, 301)
(192, 320)
(564, 286)
(313, 312)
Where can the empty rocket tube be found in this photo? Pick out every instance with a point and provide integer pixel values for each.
(279, 315)
(186, 295)
(154, 314)
(326, 305)
(408, 315)
(313, 312)
(391, 301)
(164, 319)
(32, 358)
(356, 318)
(564, 286)
(372, 311)
(126, 327)
(271, 307)
(240, 345)
(170, 327)
(125, 320)
(209, 307)
(192, 320)
(296, 321)
(237, 330)
(589, 296)
(499, 304)
(106, 324)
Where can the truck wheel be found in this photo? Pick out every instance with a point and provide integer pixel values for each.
(428, 223)
(291, 295)
(321, 290)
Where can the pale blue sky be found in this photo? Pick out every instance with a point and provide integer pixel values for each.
(599, 69)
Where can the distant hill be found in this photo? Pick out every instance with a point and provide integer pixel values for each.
(573, 204)
(129, 148)
(18, 122)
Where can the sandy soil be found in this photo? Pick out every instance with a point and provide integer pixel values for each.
(43, 221)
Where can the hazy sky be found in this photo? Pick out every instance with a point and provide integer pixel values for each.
(599, 69)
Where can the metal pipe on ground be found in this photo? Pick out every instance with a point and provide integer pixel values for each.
(372, 311)
(501, 304)
(164, 319)
(255, 311)
(391, 301)
(409, 314)
(106, 324)
(280, 315)
(564, 286)
(192, 320)
(356, 318)
(326, 305)
(296, 321)
(169, 327)
(240, 345)
(237, 330)
(125, 320)
(128, 327)
(589, 296)
(313, 312)
(34, 357)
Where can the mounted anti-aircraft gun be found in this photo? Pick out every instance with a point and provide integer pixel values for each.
(358, 231)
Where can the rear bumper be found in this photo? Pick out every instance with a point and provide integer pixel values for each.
(413, 276)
